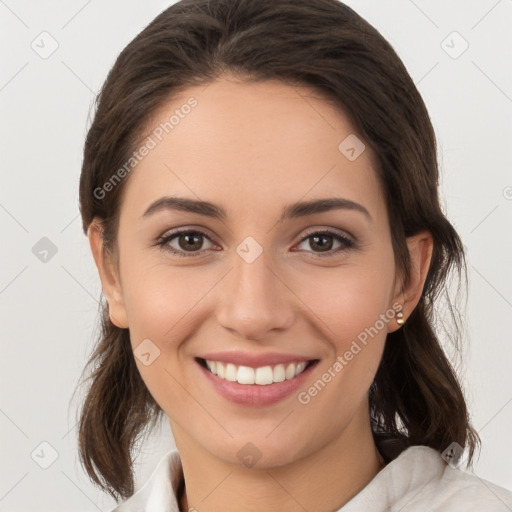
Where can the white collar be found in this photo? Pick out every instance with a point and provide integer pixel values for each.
(408, 480)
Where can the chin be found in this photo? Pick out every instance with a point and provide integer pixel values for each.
(260, 451)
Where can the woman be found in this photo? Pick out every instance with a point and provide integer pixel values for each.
(259, 189)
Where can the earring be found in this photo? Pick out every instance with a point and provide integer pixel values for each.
(400, 318)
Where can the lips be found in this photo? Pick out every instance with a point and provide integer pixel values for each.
(255, 380)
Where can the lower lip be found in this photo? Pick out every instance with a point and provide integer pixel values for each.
(254, 394)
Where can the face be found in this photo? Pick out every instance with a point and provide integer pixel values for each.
(254, 280)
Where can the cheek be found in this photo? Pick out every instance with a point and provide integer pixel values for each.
(160, 301)
(162, 305)
(353, 305)
(350, 300)
(351, 308)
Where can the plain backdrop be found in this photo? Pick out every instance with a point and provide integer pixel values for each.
(55, 56)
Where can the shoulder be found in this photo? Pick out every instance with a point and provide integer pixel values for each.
(436, 486)
(419, 480)
(159, 491)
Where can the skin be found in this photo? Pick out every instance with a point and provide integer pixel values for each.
(265, 145)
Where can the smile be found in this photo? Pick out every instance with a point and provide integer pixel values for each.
(261, 376)
(256, 380)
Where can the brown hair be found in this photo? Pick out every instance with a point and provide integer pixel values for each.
(415, 397)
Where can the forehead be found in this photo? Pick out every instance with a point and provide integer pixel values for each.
(264, 142)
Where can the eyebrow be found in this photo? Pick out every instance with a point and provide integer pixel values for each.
(294, 210)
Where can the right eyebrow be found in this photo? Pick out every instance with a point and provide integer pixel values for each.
(186, 205)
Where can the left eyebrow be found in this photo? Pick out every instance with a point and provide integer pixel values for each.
(301, 209)
(294, 210)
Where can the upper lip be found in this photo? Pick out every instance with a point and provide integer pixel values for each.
(255, 360)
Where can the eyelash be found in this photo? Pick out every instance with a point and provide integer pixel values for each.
(164, 240)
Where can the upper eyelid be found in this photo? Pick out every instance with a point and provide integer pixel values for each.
(172, 234)
(330, 231)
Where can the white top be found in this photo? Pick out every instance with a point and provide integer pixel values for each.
(418, 480)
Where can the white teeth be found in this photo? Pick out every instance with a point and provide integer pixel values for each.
(279, 373)
(231, 371)
(245, 375)
(212, 366)
(300, 368)
(261, 376)
(290, 371)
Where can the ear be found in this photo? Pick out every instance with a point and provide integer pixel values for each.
(420, 251)
(108, 275)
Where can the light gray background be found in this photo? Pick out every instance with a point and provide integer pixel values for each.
(49, 309)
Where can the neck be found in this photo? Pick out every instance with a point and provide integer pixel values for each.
(323, 481)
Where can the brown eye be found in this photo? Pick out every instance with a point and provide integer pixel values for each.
(190, 241)
(322, 242)
(181, 242)
(325, 242)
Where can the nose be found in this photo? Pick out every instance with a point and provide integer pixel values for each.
(254, 300)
